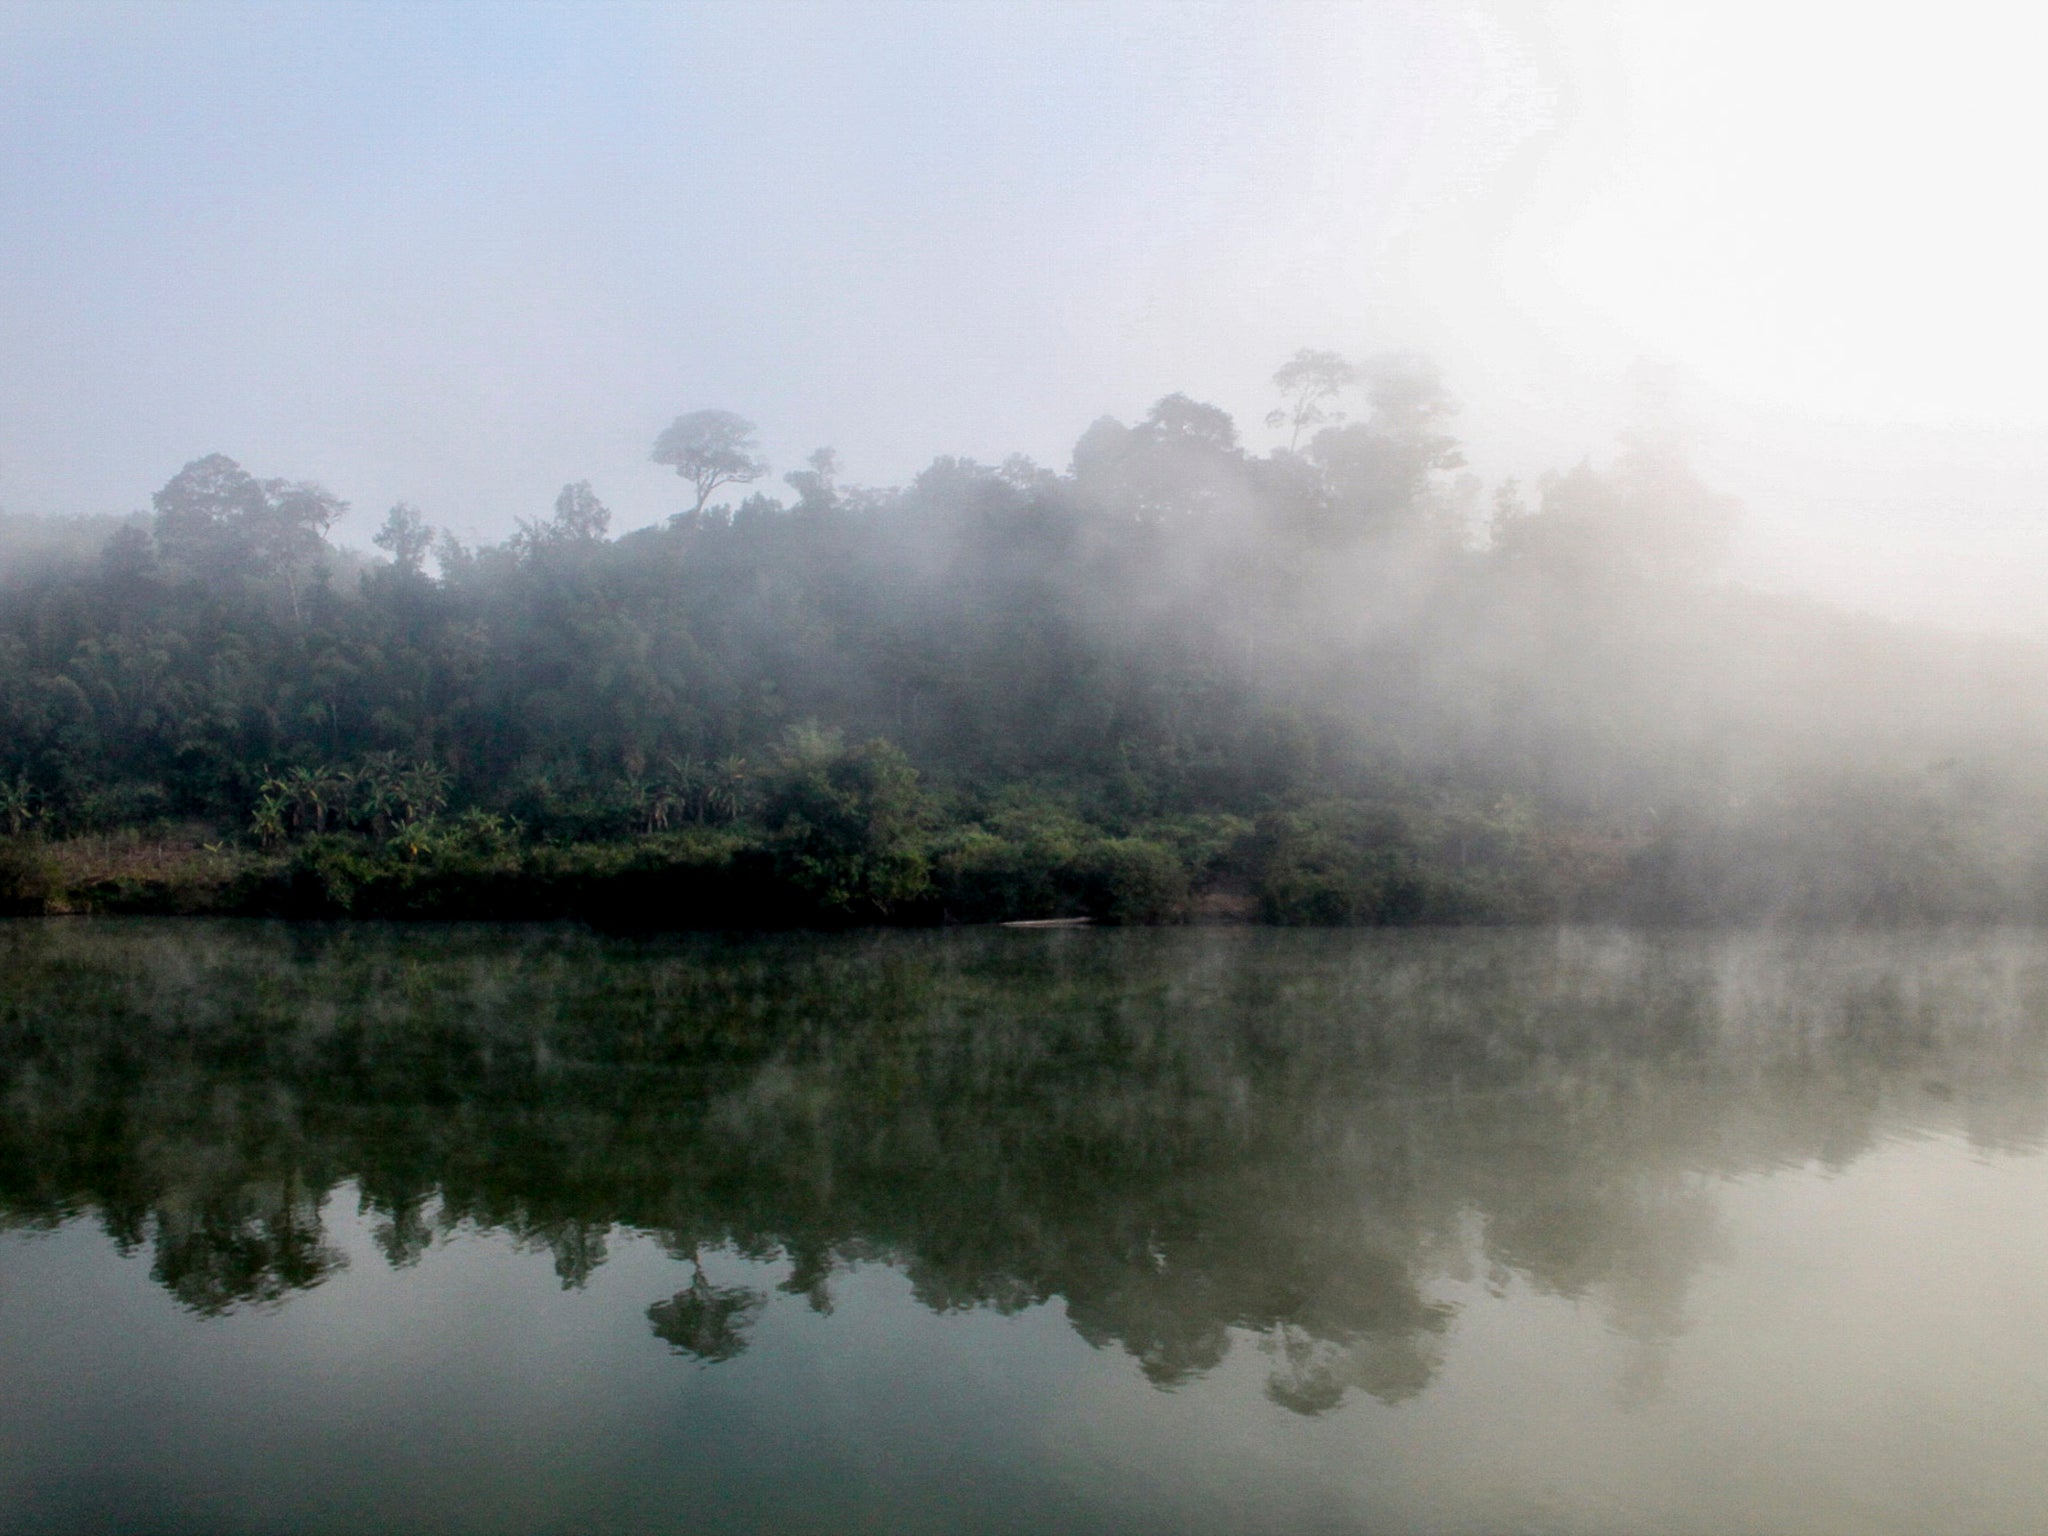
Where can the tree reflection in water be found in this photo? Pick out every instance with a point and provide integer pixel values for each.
(705, 1320)
(1183, 1137)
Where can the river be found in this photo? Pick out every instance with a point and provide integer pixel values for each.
(329, 1229)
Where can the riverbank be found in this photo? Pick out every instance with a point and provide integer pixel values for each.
(1304, 868)
(1336, 863)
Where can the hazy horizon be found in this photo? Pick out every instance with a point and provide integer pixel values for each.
(461, 256)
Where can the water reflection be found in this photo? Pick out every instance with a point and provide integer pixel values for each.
(1183, 1137)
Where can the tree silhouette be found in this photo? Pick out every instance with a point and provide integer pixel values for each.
(1308, 383)
(406, 536)
(709, 449)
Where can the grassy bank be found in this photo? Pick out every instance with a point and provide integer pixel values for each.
(1335, 863)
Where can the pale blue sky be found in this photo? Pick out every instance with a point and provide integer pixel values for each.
(462, 253)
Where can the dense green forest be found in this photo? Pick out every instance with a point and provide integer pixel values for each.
(1341, 681)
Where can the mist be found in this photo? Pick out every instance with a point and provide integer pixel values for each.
(1338, 463)
(461, 258)
(1162, 765)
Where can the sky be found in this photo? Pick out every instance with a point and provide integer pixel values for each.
(462, 254)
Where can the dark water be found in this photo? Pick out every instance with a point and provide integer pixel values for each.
(497, 1230)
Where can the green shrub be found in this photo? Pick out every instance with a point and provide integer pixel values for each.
(475, 834)
(1024, 867)
(325, 875)
(1135, 880)
(1339, 864)
(28, 883)
(847, 824)
(121, 804)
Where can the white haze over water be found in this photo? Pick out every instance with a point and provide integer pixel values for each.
(462, 254)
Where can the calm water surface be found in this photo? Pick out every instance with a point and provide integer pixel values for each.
(515, 1230)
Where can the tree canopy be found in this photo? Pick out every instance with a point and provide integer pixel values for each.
(1313, 682)
(710, 449)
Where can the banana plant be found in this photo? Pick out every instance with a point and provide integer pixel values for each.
(267, 821)
(422, 792)
(17, 805)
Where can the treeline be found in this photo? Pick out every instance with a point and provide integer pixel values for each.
(1339, 681)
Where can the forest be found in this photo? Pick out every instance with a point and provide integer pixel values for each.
(1341, 681)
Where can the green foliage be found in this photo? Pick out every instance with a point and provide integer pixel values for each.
(474, 866)
(18, 805)
(27, 878)
(1342, 863)
(327, 873)
(847, 824)
(475, 834)
(1134, 880)
(102, 807)
(377, 795)
(689, 788)
(1171, 642)
(220, 522)
(982, 877)
(1024, 859)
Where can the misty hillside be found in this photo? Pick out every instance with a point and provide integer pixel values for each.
(1339, 681)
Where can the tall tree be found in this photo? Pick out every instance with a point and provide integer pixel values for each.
(816, 487)
(1309, 382)
(1182, 461)
(709, 449)
(579, 515)
(1381, 473)
(406, 537)
(216, 518)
